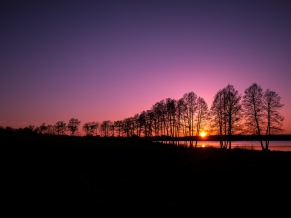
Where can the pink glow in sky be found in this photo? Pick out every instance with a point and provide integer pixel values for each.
(100, 60)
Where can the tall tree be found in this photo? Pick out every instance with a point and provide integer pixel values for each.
(171, 114)
(253, 105)
(217, 114)
(202, 112)
(73, 125)
(226, 111)
(181, 108)
(190, 100)
(233, 109)
(274, 119)
(158, 110)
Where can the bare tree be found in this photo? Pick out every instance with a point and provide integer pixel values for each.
(181, 108)
(226, 112)
(217, 114)
(190, 101)
(158, 110)
(253, 105)
(73, 125)
(171, 115)
(274, 118)
(233, 109)
(202, 112)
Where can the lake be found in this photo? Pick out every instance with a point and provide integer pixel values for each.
(251, 145)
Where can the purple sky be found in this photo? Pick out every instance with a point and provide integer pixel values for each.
(99, 60)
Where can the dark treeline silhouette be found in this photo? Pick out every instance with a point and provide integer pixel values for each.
(254, 113)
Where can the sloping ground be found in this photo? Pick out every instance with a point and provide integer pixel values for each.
(55, 172)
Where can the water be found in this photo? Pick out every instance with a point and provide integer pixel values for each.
(251, 145)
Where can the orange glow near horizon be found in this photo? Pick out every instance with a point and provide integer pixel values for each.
(202, 134)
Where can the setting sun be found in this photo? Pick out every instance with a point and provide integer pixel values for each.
(203, 134)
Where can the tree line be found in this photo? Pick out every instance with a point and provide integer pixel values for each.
(255, 112)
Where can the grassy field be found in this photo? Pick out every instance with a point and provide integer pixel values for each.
(132, 173)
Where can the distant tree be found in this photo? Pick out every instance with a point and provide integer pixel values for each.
(73, 125)
(89, 128)
(142, 119)
(112, 129)
(105, 127)
(50, 130)
(118, 127)
(128, 126)
(28, 130)
(253, 105)
(2, 130)
(43, 128)
(274, 119)
(96, 127)
(36, 130)
(9, 130)
(60, 128)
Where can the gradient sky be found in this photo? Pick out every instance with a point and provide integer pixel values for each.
(99, 60)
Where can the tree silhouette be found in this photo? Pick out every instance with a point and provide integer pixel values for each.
(187, 117)
(90, 128)
(118, 127)
(73, 125)
(226, 112)
(190, 100)
(43, 128)
(202, 115)
(274, 118)
(60, 128)
(105, 127)
(50, 130)
(233, 109)
(253, 105)
(217, 114)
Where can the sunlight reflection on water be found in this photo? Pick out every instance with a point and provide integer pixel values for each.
(251, 145)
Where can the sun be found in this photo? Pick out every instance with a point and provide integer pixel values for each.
(203, 134)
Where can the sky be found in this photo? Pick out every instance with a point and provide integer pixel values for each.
(109, 60)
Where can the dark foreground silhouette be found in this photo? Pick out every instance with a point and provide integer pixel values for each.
(68, 172)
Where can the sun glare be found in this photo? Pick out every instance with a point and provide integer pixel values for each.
(203, 134)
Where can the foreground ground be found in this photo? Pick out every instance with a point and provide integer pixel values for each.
(73, 172)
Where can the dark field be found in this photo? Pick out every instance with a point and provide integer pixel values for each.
(52, 172)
